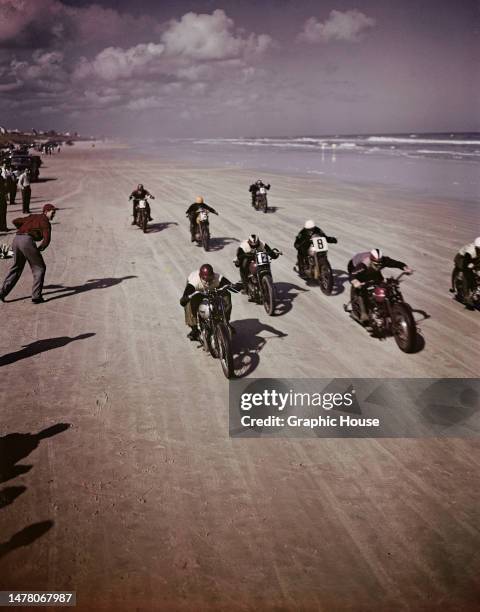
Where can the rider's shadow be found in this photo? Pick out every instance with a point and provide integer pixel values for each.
(247, 344)
(158, 227)
(340, 279)
(217, 244)
(285, 294)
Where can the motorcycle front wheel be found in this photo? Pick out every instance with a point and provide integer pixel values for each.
(403, 327)
(224, 350)
(268, 295)
(325, 277)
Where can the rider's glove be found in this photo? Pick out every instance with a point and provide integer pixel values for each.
(183, 301)
(237, 263)
(471, 266)
(356, 283)
(333, 240)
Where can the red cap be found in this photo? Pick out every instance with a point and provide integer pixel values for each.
(48, 208)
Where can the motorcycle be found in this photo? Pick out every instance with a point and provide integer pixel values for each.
(458, 290)
(261, 200)
(202, 233)
(316, 265)
(142, 214)
(260, 287)
(215, 333)
(388, 313)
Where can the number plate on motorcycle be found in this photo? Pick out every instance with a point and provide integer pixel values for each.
(142, 204)
(262, 258)
(319, 244)
(203, 215)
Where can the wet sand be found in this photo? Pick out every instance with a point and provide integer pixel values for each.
(144, 502)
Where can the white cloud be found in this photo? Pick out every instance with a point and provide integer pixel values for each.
(114, 63)
(346, 26)
(206, 37)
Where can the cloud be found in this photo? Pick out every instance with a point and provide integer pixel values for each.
(114, 63)
(345, 26)
(45, 23)
(206, 37)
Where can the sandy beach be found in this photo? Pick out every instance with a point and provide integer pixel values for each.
(144, 502)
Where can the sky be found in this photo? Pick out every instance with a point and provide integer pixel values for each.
(154, 68)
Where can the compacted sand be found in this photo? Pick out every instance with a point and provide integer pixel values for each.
(118, 476)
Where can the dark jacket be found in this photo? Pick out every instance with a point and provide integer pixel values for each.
(367, 274)
(195, 207)
(139, 194)
(305, 235)
(254, 187)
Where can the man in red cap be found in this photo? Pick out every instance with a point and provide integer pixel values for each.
(31, 229)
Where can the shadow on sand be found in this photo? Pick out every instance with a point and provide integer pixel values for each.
(14, 448)
(285, 295)
(159, 227)
(40, 346)
(247, 344)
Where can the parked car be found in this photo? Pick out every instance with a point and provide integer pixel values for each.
(32, 162)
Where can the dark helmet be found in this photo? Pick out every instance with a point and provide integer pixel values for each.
(253, 241)
(259, 182)
(139, 186)
(206, 272)
(477, 245)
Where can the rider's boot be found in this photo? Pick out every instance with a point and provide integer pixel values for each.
(194, 333)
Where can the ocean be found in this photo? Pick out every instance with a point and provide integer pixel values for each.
(438, 165)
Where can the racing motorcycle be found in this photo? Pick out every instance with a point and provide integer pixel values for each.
(316, 265)
(142, 214)
(388, 313)
(260, 287)
(261, 200)
(457, 283)
(202, 232)
(215, 333)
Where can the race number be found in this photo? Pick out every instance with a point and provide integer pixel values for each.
(203, 215)
(142, 204)
(262, 190)
(262, 258)
(319, 244)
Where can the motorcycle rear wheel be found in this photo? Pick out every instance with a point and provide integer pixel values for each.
(404, 328)
(205, 238)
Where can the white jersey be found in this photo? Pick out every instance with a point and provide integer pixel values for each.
(195, 280)
(470, 249)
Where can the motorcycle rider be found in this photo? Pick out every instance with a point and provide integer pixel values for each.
(140, 193)
(366, 267)
(466, 260)
(246, 253)
(202, 280)
(192, 212)
(255, 188)
(302, 241)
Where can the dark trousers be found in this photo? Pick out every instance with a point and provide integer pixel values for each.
(26, 193)
(13, 193)
(468, 275)
(25, 249)
(3, 212)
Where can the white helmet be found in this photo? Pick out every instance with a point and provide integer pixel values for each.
(309, 224)
(253, 240)
(376, 255)
(477, 243)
